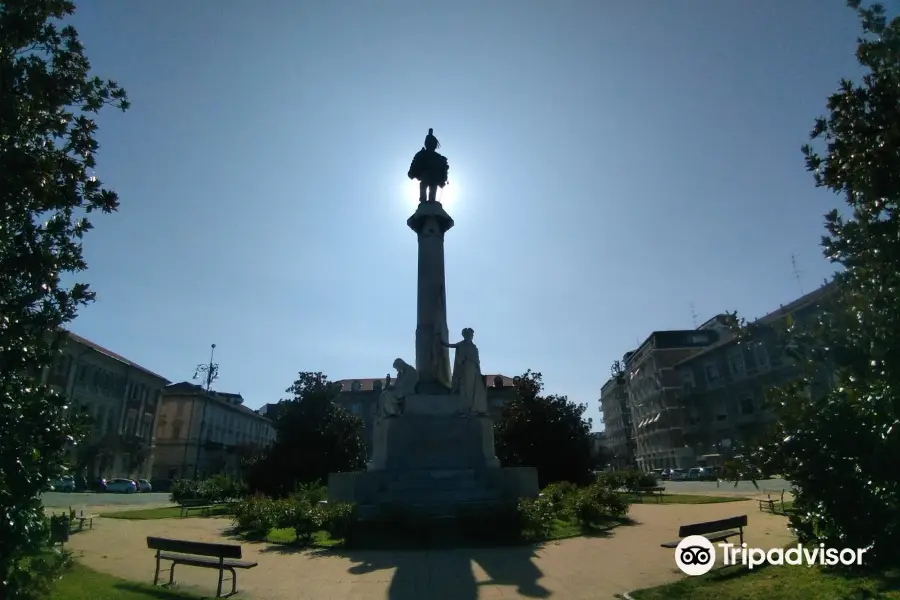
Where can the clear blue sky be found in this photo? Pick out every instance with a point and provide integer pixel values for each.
(611, 163)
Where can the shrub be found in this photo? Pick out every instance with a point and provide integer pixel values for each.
(255, 515)
(537, 517)
(215, 490)
(630, 480)
(339, 518)
(597, 503)
(313, 492)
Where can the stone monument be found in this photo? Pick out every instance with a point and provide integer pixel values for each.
(433, 437)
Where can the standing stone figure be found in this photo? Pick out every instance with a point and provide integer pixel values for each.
(390, 402)
(467, 378)
(430, 168)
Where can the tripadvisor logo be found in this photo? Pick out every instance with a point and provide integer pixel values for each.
(696, 555)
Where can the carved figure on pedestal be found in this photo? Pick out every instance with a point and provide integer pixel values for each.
(390, 402)
(430, 168)
(467, 378)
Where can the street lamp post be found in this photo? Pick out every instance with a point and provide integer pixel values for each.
(211, 373)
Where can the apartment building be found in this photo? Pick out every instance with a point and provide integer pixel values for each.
(724, 386)
(360, 396)
(618, 427)
(121, 399)
(202, 433)
(658, 417)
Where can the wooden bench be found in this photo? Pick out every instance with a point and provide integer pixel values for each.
(656, 491)
(188, 505)
(714, 531)
(199, 554)
(767, 504)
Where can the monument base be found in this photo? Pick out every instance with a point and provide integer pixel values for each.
(432, 493)
(432, 459)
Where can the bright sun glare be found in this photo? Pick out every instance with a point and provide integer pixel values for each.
(446, 195)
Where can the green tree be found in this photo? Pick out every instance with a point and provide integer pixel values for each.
(840, 445)
(316, 437)
(47, 189)
(546, 432)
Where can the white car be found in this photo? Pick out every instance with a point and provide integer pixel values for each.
(144, 485)
(121, 486)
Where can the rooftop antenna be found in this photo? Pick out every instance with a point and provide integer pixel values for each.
(693, 315)
(796, 273)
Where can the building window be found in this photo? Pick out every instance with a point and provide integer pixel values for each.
(176, 431)
(747, 405)
(712, 373)
(687, 379)
(761, 355)
(736, 362)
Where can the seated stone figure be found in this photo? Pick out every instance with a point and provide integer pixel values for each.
(390, 402)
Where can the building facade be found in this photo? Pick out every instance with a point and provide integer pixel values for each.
(658, 417)
(120, 400)
(724, 386)
(617, 423)
(202, 433)
(360, 396)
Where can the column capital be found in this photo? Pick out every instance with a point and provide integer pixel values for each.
(427, 211)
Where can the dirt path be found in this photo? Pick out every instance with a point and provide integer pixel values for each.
(571, 569)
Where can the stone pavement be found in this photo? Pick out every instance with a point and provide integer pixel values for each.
(580, 568)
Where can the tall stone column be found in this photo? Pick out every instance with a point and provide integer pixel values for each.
(431, 222)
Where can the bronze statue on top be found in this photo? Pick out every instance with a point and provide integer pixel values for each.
(430, 168)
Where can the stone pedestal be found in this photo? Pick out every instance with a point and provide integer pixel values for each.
(434, 433)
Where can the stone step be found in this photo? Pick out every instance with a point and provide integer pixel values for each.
(438, 496)
(417, 486)
(432, 475)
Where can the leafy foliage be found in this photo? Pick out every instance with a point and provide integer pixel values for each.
(300, 512)
(839, 444)
(215, 490)
(47, 189)
(630, 480)
(315, 437)
(546, 432)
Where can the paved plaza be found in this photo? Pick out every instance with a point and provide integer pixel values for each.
(579, 568)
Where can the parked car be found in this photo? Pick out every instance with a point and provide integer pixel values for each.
(677, 474)
(665, 474)
(121, 486)
(710, 473)
(98, 485)
(658, 473)
(144, 486)
(66, 483)
(694, 474)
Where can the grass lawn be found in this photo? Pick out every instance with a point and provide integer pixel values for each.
(166, 512)
(683, 499)
(776, 582)
(81, 583)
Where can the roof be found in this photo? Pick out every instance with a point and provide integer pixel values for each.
(773, 317)
(110, 354)
(365, 385)
(186, 388)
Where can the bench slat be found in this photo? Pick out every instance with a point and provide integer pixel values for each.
(198, 548)
(200, 561)
(717, 537)
(712, 526)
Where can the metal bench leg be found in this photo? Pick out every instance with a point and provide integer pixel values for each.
(172, 573)
(221, 572)
(156, 574)
(233, 580)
